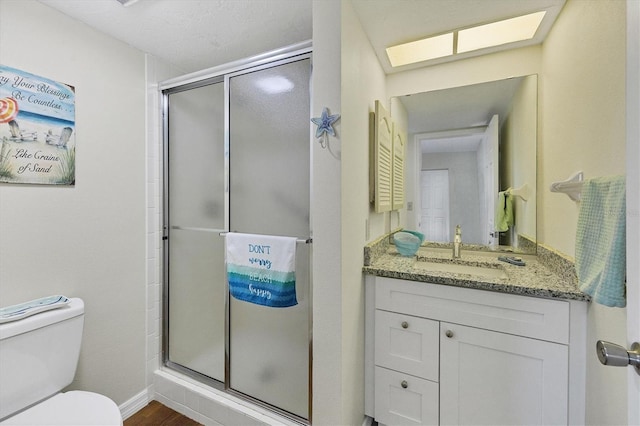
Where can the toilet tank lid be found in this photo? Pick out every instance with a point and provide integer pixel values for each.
(70, 308)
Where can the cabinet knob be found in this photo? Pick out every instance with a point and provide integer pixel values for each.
(405, 324)
(448, 333)
(404, 384)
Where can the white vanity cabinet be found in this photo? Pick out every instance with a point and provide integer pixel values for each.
(440, 354)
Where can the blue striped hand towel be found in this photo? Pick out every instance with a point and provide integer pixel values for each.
(601, 240)
(261, 269)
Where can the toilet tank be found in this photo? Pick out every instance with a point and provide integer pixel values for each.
(39, 355)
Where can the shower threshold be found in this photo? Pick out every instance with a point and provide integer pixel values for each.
(207, 401)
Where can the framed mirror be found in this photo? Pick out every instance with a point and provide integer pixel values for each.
(471, 161)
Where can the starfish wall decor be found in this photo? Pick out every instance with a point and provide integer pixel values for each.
(325, 126)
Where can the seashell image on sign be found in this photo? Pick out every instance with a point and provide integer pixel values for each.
(37, 129)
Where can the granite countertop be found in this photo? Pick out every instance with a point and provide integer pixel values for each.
(533, 279)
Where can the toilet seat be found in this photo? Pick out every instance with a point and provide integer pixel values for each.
(73, 408)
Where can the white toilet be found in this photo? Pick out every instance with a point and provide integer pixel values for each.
(38, 358)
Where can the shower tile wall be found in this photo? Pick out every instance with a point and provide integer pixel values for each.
(155, 72)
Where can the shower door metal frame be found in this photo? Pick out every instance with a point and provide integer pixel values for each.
(217, 75)
(165, 93)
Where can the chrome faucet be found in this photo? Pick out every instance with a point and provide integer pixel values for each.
(457, 243)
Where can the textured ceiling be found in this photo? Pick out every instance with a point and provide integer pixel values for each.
(197, 34)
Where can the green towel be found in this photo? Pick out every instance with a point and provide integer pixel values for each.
(504, 211)
(601, 240)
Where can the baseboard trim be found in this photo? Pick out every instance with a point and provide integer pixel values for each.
(137, 403)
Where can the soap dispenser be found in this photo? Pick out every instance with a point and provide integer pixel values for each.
(457, 242)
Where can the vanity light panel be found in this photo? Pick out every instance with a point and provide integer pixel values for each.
(421, 50)
(498, 33)
(493, 34)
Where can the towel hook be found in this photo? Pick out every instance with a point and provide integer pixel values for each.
(572, 186)
(522, 192)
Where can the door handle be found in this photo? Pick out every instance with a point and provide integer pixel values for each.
(617, 356)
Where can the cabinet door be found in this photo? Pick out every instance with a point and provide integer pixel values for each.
(402, 399)
(408, 344)
(383, 160)
(490, 378)
(399, 147)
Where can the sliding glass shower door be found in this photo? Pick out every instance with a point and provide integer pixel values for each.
(269, 172)
(194, 218)
(237, 159)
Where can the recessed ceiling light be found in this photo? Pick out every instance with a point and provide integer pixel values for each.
(421, 50)
(501, 32)
(460, 41)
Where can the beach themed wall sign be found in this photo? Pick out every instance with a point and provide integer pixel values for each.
(37, 129)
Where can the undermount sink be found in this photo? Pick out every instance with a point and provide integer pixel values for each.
(487, 271)
(438, 251)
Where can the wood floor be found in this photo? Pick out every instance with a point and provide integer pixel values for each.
(156, 414)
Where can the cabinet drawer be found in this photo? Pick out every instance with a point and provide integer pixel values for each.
(402, 399)
(407, 343)
(508, 313)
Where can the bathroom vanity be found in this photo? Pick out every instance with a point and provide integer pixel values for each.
(445, 347)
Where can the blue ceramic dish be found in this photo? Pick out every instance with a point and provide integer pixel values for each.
(406, 243)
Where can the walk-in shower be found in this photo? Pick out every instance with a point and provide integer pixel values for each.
(237, 159)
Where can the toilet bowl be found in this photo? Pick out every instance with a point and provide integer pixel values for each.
(38, 358)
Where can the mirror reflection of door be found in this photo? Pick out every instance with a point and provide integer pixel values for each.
(460, 152)
(434, 214)
(488, 151)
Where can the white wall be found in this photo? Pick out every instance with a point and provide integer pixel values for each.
(325, 214)
(347, 79)
(84, 241)
(362, 82)
(583, 128)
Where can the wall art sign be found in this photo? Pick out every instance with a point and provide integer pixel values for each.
(37, 129)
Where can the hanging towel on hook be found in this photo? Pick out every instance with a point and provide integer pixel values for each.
(504, 211)
(601, 240)
(261, 269)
